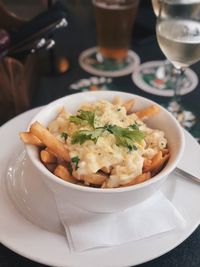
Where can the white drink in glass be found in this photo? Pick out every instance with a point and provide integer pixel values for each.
(180, 41)
(178, 35)
(156, 6)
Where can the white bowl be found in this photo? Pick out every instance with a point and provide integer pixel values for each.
(115, 199)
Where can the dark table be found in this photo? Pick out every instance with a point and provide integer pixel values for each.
(70, 42)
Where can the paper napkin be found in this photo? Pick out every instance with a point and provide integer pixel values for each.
(190, 156)
(86, 230)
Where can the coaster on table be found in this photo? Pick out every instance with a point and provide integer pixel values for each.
(154, 77)
(89, 63)
(87, 230)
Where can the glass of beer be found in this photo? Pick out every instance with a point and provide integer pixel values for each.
(114, 24)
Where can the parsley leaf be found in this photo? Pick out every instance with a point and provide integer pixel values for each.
(134, 126)
(126, 136)
(83, 118)
(80, 137)
(69, 167)
(134, 135)
(64, 135)
(77, 120)
(76, 161)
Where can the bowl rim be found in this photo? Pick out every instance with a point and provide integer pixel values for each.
(163, 173)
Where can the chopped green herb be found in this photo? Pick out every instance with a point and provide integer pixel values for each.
(126, 136)
(83, 118)
(135, 135)
(80, 137)
(77, 120)
(132, 147)
(64, 135)
(134, 127)
(76, 161)
(69, 167)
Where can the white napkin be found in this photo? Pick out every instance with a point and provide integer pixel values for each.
(190, 156)
(86, 230)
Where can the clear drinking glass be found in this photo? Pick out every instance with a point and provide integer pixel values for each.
(156, 6)
(114, 24)
(178, 35)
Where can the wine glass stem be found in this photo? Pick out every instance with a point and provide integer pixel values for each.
(177, 88)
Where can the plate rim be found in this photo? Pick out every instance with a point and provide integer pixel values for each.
(24, 117)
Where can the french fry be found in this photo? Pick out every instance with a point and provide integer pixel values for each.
(104, 185)
(148, 112)
(29, 138)
(165, 151)
(106, 170)
(129, 105)
(49, 140)
(50, 151)
(117, 100)
(93, 178)
(63, 173)
(50, 166)
(47, 157)
(147, 165)
(139, 179)
(61, 111)
(162, 163)
(157, 163)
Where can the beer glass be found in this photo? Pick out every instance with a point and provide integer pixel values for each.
(114, 24)
(178, 35)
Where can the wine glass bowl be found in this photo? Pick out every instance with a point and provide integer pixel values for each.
(178, 35)
(156, 6)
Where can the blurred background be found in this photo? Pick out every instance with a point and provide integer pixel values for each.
(49, 73)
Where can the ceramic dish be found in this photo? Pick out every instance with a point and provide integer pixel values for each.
(23, 234)
(114, 199)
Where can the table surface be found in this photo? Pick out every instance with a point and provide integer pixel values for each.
(70, 42)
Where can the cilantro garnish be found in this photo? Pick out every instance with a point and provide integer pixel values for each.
(64, 135)
(69, 167)
(134, 126)
(76, 161)
(83, 118)
(126, 137)
(80, 137)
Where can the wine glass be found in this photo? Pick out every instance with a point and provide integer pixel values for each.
(166, 68)
(158, 76)
(178, 35)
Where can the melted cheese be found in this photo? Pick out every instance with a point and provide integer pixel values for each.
(124, 164)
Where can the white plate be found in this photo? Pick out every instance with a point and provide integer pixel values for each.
(27, 238)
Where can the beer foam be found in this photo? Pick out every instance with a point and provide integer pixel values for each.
(113, 5)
